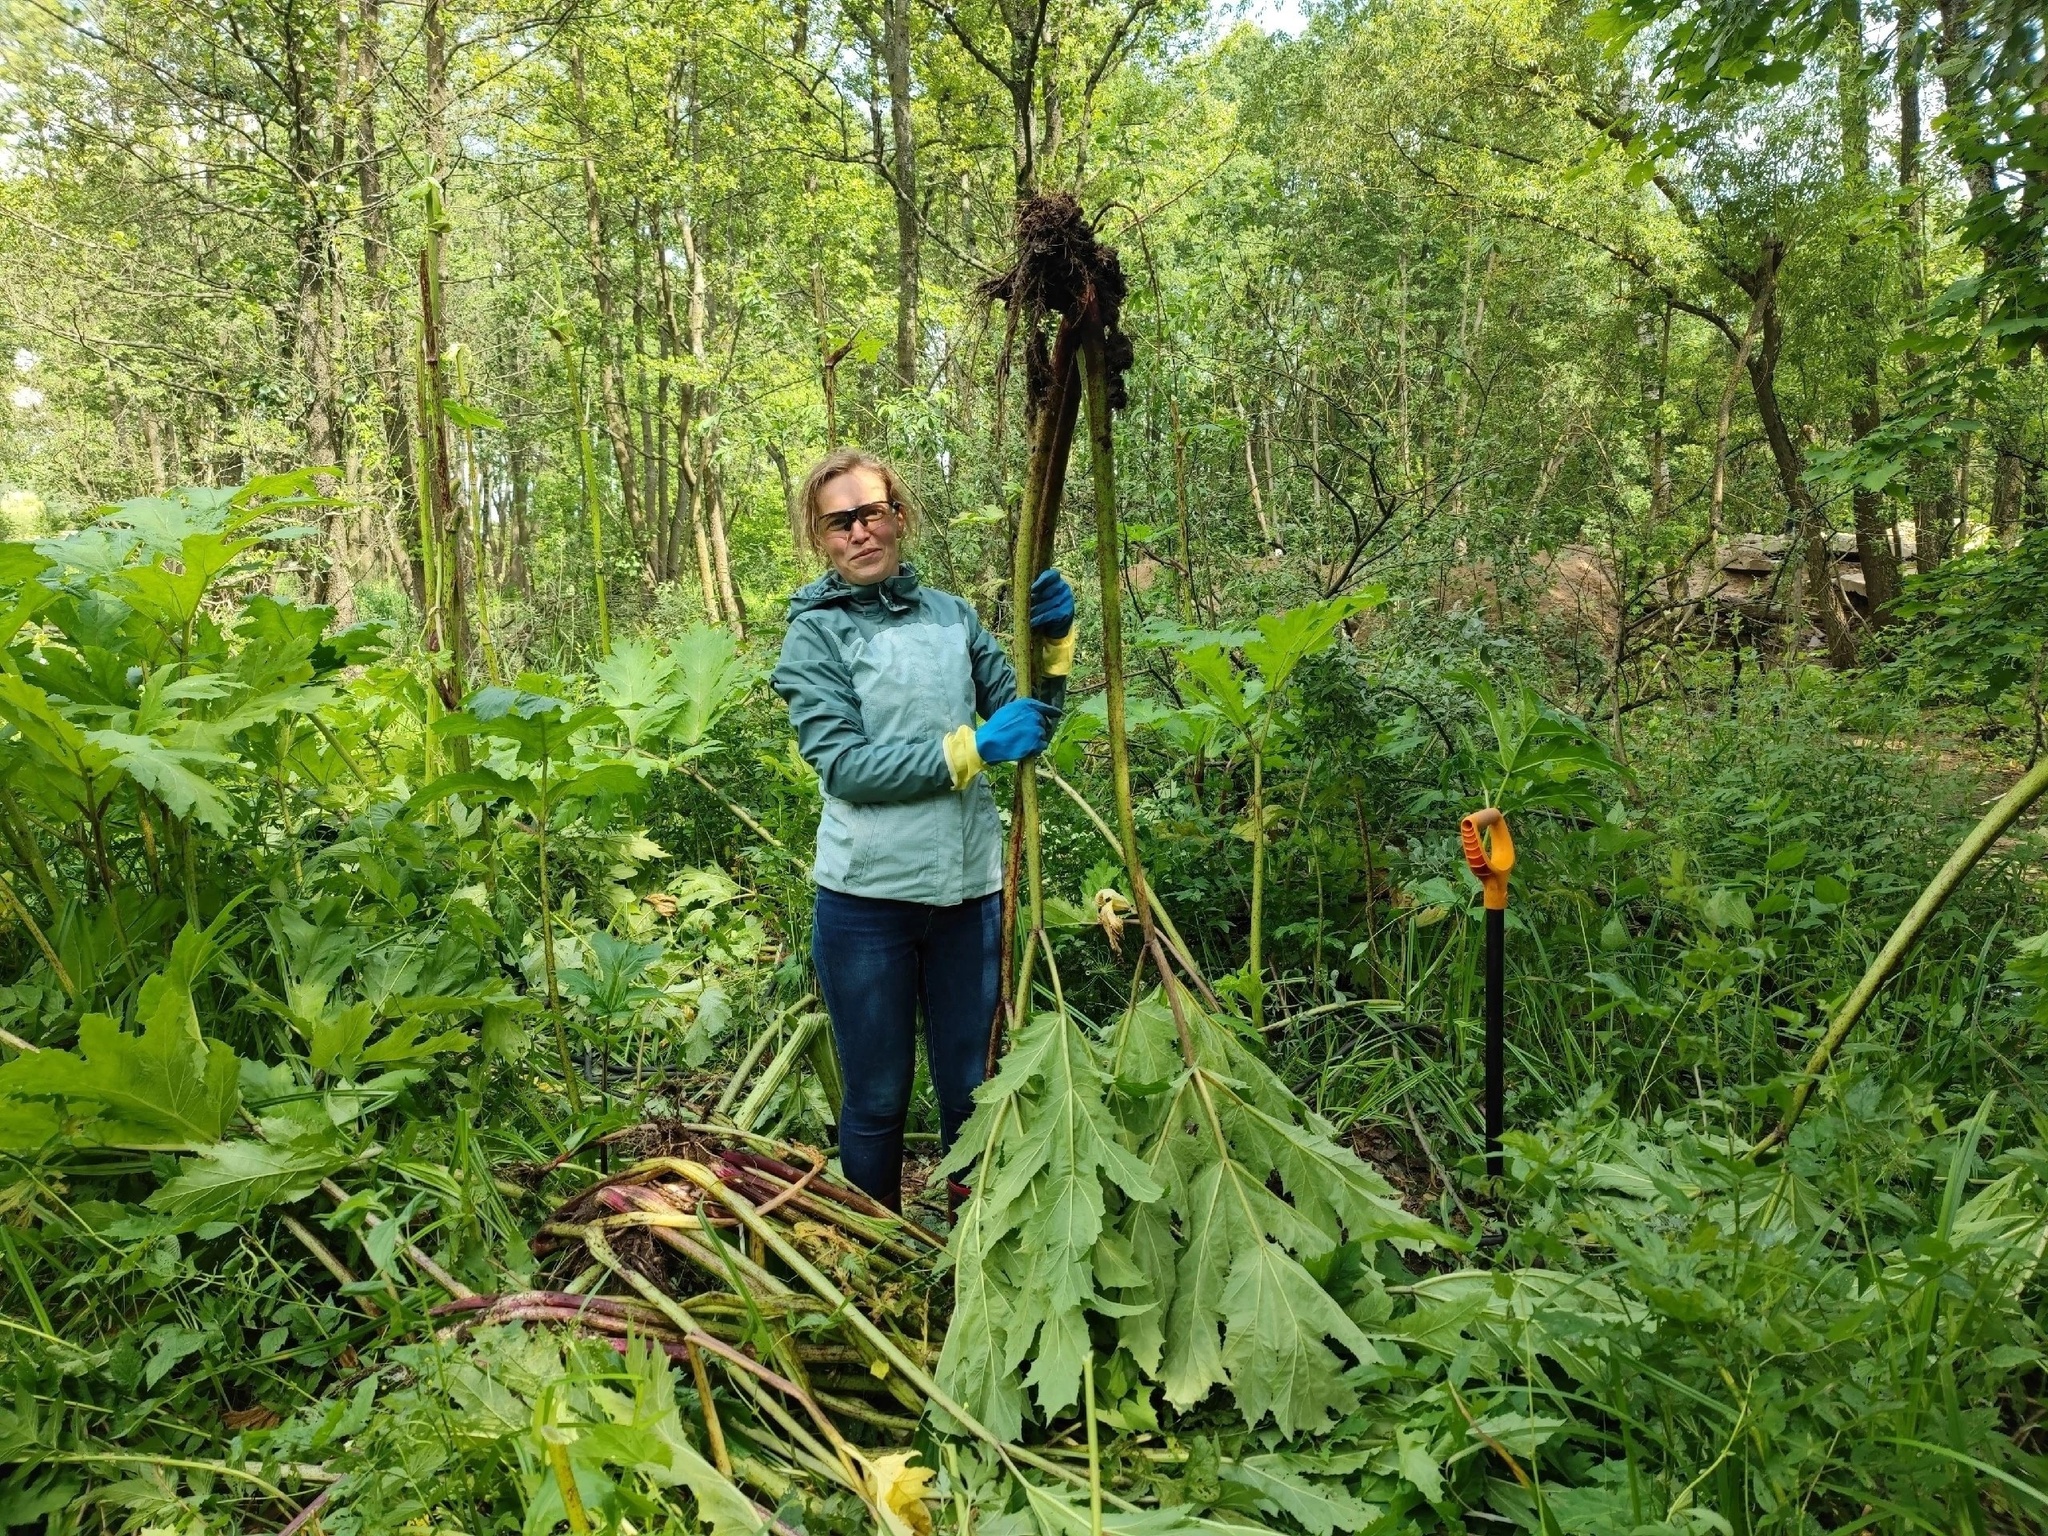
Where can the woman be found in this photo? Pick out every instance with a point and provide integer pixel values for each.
(884, 678)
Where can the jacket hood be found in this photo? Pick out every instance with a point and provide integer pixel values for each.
(895, 593)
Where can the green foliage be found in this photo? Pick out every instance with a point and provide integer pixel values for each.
(1542, 759)
(1423, 298)
(673, 697)
(1036, 1247)
(164, 1087)
(1148, 1206)
(232, 1181)
(1984, 632)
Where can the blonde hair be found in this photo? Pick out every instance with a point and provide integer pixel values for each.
(803, 507)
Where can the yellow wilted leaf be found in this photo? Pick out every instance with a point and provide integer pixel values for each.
(898, 1489)
(1274, 818)
(1110, 907)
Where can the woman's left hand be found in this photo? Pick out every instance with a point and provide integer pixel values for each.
(1052, 606)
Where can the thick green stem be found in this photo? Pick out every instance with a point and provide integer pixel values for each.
(449, 622)
(547, 947)
(21, 837)
(1045, 476)
(2010, 807)
(191, 864)
(1258, 967)
(1094, 1447)
(27, 921)
(1109, 577)
(480, 552)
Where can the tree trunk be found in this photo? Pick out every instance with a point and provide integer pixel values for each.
(1809, 529)
(441, 531)
(611, 388)
(1655, 339)
(1874, 534)
(2008, 486)
(654, 425)
(397, 432)
(695, 463)
(519, 531)
(712, 524)
(721, 552)
(316, 284)
(1911, 55)
(696, 443)
(1026, 23)
(896, 58)
(315, 146)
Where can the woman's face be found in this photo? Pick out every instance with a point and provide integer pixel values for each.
(870, 550)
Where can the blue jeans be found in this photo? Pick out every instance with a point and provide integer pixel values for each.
(879, 963)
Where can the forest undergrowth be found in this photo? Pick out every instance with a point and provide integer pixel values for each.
(417, 1112)
(420, 1118)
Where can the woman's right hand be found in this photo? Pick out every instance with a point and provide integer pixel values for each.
(1019, 729)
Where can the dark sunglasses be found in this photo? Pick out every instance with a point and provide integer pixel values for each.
(842, 522)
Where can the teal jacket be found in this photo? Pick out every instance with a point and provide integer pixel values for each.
(880, 682)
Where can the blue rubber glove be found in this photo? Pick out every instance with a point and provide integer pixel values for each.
(1052, 605)
(1019, 729)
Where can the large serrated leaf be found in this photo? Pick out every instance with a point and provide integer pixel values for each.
(1282, 1486)
(1052, 1165)
(236, 1179)
(173, 774)
(973, 1370)
(1276, 1318)
(165, 1089)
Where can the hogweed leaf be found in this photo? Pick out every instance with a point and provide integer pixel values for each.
(710, 678)
(1282, 1486)
(1211, 1233)
(635, 680)
(1057, 1515)
(978, 1375)
(1276, 1318)
(171, 774)
(44, 727)
(1051, 1162)
(236, 1179)
(170, 600)
(165, 1089)
(1331, 1186)
(1209, 669)
(1288, 639)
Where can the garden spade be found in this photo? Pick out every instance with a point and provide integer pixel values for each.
(1491, 853)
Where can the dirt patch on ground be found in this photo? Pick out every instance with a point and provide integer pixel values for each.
(924, 1193)
(1391, 1153)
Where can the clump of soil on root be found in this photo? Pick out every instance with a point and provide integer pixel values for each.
(1063, 271)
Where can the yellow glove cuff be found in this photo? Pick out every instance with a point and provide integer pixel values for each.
(1056, 657)
(961, 755)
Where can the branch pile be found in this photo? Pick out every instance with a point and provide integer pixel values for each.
(813, 1305)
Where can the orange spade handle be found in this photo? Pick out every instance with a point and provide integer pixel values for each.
(1491, 855)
